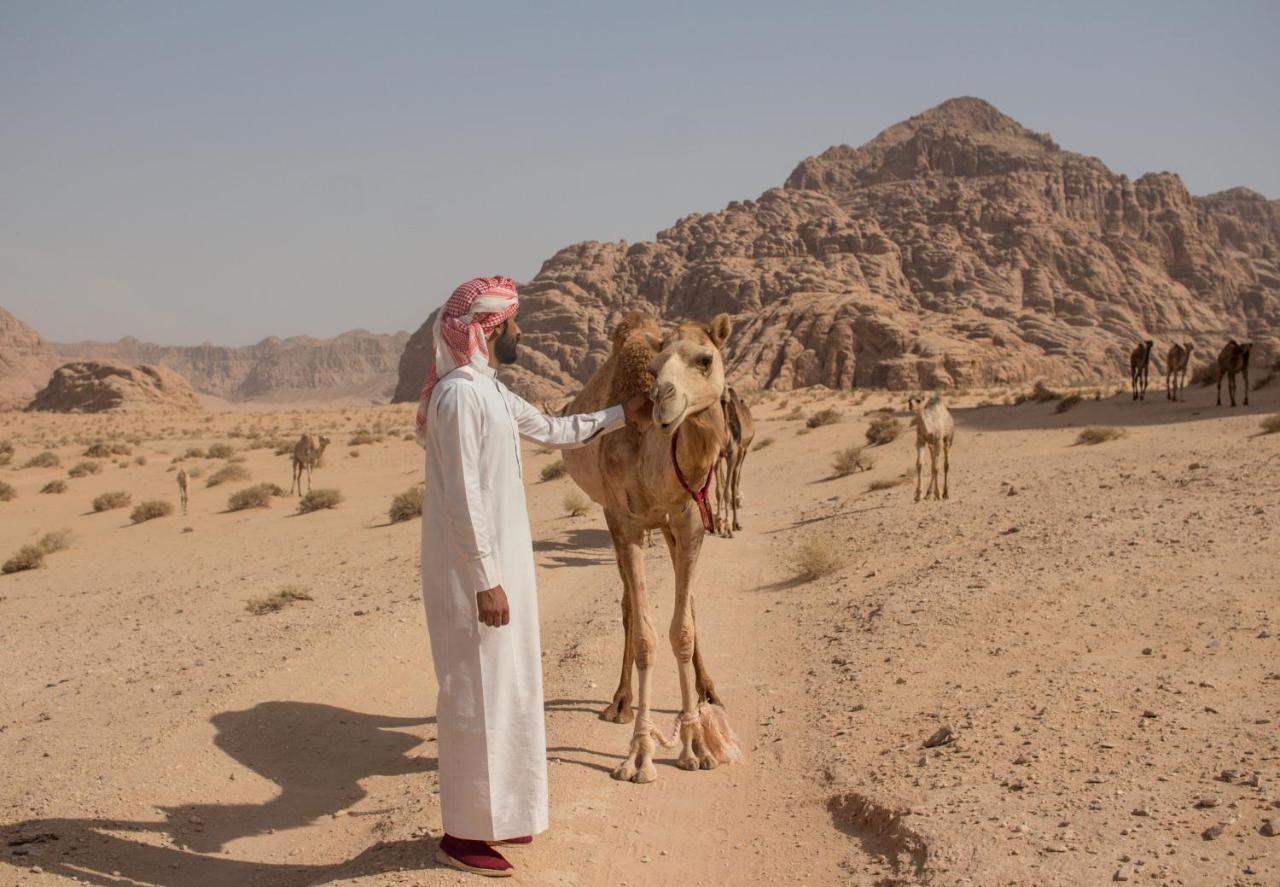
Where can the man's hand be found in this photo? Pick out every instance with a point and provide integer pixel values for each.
(639, 411)
(494, 611)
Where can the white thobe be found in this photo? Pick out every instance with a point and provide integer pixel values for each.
(475, 535)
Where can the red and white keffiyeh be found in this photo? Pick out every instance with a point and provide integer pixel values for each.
(473, 312)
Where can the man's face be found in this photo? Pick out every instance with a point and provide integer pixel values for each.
(506, 345)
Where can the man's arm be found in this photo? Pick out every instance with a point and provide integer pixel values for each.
(562, 432)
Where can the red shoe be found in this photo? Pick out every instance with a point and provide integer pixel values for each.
(476, 857)
(527, 839)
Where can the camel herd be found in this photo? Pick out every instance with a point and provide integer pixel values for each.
(1233, 359)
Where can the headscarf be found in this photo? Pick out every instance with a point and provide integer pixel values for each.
(473, 312)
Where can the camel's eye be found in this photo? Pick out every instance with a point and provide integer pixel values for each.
(704, 362)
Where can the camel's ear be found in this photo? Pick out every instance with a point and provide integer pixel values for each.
(719, 330)
(654, 340)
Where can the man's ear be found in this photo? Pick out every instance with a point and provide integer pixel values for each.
(719, 330)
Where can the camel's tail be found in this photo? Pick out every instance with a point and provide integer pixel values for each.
(721, 741)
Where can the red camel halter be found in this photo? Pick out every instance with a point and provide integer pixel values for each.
(699, 496)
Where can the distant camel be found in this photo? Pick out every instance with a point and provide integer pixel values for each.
(1140, 369)
(182, 488)
(307, 453)
(1234, 358)
(935, 429)
(742, 430)
(1175, 378)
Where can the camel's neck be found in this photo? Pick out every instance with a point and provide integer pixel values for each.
(702, 437)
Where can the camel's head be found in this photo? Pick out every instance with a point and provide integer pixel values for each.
(688, 373)
(1245, 349)
(1148, 345)
(914, 404)
(323, 442)
(1187, 348)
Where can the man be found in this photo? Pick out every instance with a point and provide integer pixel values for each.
(478, 576)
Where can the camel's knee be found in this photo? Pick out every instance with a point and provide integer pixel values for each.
(682, 641)
(645, 646)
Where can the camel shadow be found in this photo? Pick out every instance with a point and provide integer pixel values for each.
(316, 755)
(577, 540)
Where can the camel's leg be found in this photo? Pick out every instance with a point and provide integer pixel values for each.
(735, 474)
(722, 494)
(1133, 382)
(1219, 387)
(619, 710)
(1231, 387)
(919, 458)
(1245, 372)
(638, 766)
(685, 542)
(946, 468)
(933, 472)
(294, 475)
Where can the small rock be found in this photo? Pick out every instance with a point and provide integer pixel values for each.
(1228, 775)
(645, 858)
(1123, 873)
(1270, 828)
(1206, 803)
(1056, 848)
(1149, 714)
(1140, 811)
(942, 736)
(1213, 832)
(1146, 651)
(1013, 491)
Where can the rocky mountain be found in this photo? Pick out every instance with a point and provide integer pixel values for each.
(955, 248)
(25, 362)
(100, 387)
(356, 365)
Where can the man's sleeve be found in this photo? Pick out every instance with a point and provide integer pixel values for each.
(458, 426)
(561, 432)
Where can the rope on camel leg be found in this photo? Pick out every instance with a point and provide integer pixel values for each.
(646, 727)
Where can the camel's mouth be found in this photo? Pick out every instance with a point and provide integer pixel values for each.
(669, 425)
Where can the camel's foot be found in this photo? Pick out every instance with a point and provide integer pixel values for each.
(638, 767)
(737, 526)
(917, 496)
(694, 754)
(619, 711)
(707, 693)
(946, 495)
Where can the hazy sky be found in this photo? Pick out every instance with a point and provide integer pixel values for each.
(189, 172)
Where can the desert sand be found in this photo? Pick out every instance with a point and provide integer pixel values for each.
(1098, 626)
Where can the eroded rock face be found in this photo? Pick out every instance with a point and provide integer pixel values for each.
(99, 387)
(955, 248)
(25, 362)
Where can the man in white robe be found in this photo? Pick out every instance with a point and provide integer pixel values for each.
(478, 579)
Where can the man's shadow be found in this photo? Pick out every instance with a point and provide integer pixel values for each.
(316, 754)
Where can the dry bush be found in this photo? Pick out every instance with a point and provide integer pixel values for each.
(1067, 403)
(150, 510)
(195, 472)
(229, 473)
(406, 506)
(7, 492)
(6, 452)
(220, 451)
(256, 496)
(408, 435)
(362, 437)
(54, 486)
(816, 556)
(44, 459)
(83, 469)
(103, 450)
(355, 453)
(823, 417)
(316, 500)
(887, 483)
(849, 460)
(55, 541)
(285, 448)
(108, 501)
(273, 603)
(763, 442)
(556, 469)
(575, 504)
(1096, 434)
(800, 432)
(796, 413)
(1042, 393)
(1271, 424)
(883, 430)
(140, 460)
(29, 557)
(193, 453)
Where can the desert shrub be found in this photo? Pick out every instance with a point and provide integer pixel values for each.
(192, 453)
(883, 430)
(554, 470)
(575, 504)
(150, 510)
(195, 472)
(1096, 434)
(29, 557)
(55, 541)
(284, 597)
(764, 442)
(887, 483)
(284, 448)
(1205, 374)
(408, 435)
(823, 417)
(796, 413)
(355, 453)
(83, 469)
(315, 500)
(1271, 424)
(220, 451)
(54, 486)
(6, 452)
(801, 432)
(816, 556)
(849, 460)
(1042, 393)
(7, 492)
(1067, 403)
(406, 506)
(43, 459)
(140, 460)
(103, 450)
(227, 474)
(256, 496)
(108, 501)
(361, 438)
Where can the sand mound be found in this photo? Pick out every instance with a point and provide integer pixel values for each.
(99, 387)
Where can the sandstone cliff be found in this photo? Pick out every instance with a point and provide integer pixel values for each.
(25, 362)
(955, 248)
(99, 387)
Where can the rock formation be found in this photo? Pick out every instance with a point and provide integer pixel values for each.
(955, 248)
(25, 362)
(99, 387)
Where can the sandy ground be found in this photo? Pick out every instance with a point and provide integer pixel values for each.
(1097, 624)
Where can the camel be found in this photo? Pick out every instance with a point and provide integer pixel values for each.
(936, 430)
(307, 453)
(657, 478)
(1176, 365)
(1140, 369)
(742, 430)
(1234, 358)
(182, 488)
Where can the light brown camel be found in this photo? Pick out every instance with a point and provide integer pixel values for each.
(657, 477)
(1140, 369)
(1175, 371)
(182, 488)
(741, 431)
(1232, 359)
(307, 453)
(936, 430)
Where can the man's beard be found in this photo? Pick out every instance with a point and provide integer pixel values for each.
(506, 348)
